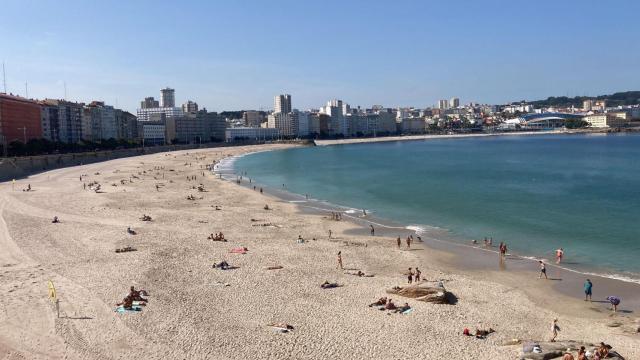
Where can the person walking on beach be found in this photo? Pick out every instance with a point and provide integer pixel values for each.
(340, 261)
(588, 286)
(559, 255)
(554, 329)
(418, 273)
(543, 270)
(399, 242)
(330, 233)
(410, 276)
(373, 231)
(408, 242)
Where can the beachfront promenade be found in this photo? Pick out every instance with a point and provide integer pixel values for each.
(196, 311)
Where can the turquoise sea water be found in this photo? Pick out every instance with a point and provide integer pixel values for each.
(537, 193)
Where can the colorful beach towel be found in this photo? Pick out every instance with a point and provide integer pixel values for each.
(239, 250)
(135, 308)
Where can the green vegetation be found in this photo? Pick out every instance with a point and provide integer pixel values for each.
(575, 124)
(617, 99)
(42, 146)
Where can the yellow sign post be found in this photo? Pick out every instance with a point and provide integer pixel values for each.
(53, 296)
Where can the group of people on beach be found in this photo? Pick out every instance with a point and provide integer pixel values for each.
(134, 295)
(219, 236)
(413, 276)
(409, 240)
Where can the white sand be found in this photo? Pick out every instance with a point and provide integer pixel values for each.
(190, 316)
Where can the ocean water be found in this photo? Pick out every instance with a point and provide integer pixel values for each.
(536, 193)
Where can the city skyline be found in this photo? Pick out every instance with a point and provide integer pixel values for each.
(222, 56)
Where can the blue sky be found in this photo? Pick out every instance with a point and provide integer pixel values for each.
(231, 55)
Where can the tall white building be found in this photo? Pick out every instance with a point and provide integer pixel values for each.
(282, 104)
(190, 107)
(300, 119)
(443, 104)
(454, 102)
(167, 98)
(283, 122)
(338, 124)
(167, 112)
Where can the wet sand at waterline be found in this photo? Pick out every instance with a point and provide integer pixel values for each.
(192, 314)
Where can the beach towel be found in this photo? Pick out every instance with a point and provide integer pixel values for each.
(407, 311)
(135, 308)
(239, 250)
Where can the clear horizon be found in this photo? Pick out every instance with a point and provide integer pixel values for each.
(235, 56)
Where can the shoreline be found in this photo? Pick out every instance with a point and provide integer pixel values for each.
(196, 311)
(524, 267)
(452, 136)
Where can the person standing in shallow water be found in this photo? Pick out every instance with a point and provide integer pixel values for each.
(399, 242)
(373, 231)
(559, 255)
(408, 242)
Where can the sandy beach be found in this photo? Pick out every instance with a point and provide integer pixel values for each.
(197, 312)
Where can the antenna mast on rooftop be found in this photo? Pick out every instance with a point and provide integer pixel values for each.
(65, 90)
(4, 78)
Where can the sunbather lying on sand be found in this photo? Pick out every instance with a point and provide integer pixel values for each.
(136, 295)
(359, 273)
(126, 303)
(381, 301)
(403, 308)
(125, 249)
(55, 220)
(390, 305)
(281, 325)
(223, 265)
(328, 285)
(130, 231)
(481, 334)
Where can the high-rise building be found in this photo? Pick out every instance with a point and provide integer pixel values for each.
(253, 118)
(190, 107)
(283, 122)
(62, 120)
(167, 98)
(20, 119)
(454, 102)
(300, 122)
(443, 104)
(126, 125)
(338, 123)
(103, 121)
(149, 102)
(170, 112)
(282, 104)
(587, 105)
